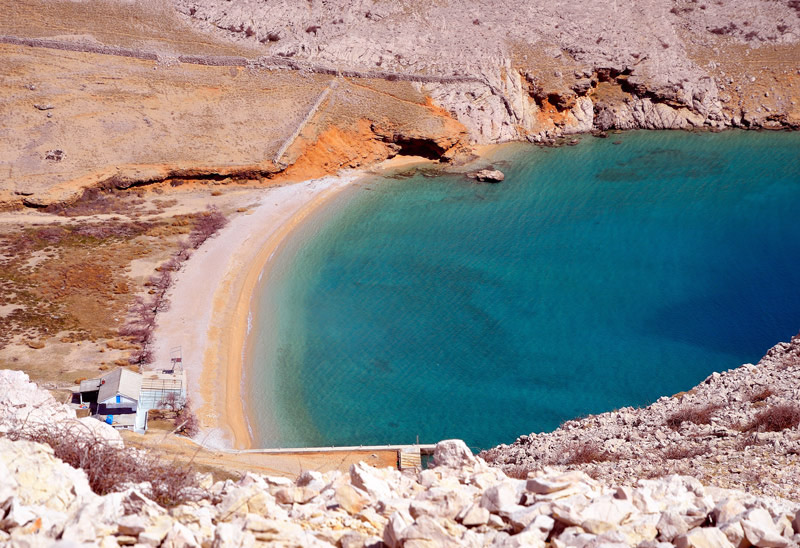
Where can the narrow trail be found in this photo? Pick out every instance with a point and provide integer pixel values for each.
(311, 112)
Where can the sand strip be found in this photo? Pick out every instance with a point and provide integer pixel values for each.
(210, 304)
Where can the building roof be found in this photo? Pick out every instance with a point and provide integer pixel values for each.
(158, 380)
(120, 381)
(90, 385)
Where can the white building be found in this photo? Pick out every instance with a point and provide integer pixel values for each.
(123, 397)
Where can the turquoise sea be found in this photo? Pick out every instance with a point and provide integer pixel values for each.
(596, 276)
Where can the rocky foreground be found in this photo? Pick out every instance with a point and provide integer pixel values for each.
(461, 501)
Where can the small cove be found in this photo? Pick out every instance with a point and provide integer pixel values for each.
(595, 277)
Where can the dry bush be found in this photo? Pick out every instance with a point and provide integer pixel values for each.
(680, 452)
(206, 225)
(696, 415)
(186, 421)
(519, 471)
(139, 328)
(761, 395)
(110, 468)
(584, 453)
(776, 418)
(743, 442)
(96, 201)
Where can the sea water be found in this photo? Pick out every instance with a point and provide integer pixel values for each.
(594, 277)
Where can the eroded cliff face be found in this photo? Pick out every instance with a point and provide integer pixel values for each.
(100, 93)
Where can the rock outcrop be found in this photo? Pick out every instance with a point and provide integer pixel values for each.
(544, 70)
(489, 176)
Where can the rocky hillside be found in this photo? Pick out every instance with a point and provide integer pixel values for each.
(739, 428)
(460, 501)
(259, 91)
(538, 69)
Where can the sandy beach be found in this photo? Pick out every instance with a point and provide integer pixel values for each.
(210, 299)
(210, 303)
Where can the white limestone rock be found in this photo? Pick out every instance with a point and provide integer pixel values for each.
(453, 454)
(760, 530)
(703, 537)
(40, 478)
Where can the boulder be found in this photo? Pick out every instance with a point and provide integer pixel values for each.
(393, 532)
(502, 497)
(760, 530)
(428, 531)
(453, 454)
(41, 478)
(527, 539)
(541, 526)
(703, 537)
(726, 510)
(489, 175)
(180, 537)
(100, 431)
(671, 525)
(351, 500)
(131, 525)
(474, 516)
(370, 479)
(605, 514)
(24, 403)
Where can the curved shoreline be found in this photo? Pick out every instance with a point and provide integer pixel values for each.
(211, 326)
(233, 348)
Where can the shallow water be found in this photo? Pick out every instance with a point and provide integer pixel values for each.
(595, 277)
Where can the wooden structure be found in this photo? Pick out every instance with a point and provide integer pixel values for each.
(408, 456)
(123, 397)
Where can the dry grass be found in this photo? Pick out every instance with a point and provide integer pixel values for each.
(695, 415)
(69, 279)
(680, 452)
(584, 453)
(520, 471)
(110, 468)
(776, 418)
(761, 395)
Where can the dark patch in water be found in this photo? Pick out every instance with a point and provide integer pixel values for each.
(663, 164)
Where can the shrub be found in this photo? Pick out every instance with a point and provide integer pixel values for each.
(727, 29)
(186, 421)
(208, 223)
(696, 415)
(519, 471)
(112, 468)
(679, 452)
(584, 453)
(776, 418)
(761, 395)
